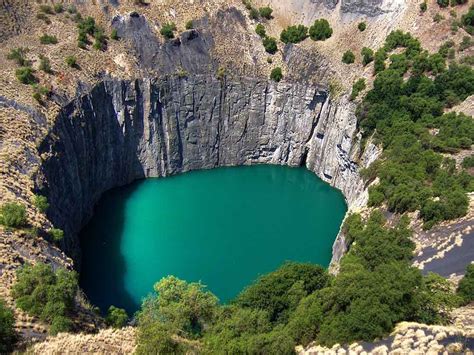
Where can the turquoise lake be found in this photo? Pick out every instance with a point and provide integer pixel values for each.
(223, 227)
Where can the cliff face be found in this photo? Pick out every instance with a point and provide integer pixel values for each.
(125, 130)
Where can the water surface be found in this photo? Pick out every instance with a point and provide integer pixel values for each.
(223, 227)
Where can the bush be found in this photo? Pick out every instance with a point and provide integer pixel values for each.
(41, 203)
(443, 3)
(189, 25)
(367, 55)
(280, 291)
(116, 317)
(466, 43)
(167, 30)
(71, 61)
(46, 294)
(466, 285)
(43, 18)
(7, 328)
(294, 34)
(19, 56)
(46, 9)
(71, 9)
(47, 39)
(114, 34)
(179, 306)
(348, 57)
(45, 64)
(254, 14)
(270, 45)
(423, 6)
(320, 31)
(260, 30)
(468, 162)
(39, 92)
(266, 12)
(358, 86)
(25, 75)
(13, 215)
(438, 18)
(56, 234)
(467, 21)
(276, 74)
(58, 8)
(362, 26)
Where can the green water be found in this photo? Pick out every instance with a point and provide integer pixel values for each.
(223, 227)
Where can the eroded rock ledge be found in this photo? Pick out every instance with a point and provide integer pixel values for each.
(125, 130)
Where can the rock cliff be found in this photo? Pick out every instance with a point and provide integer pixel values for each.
(125, 130)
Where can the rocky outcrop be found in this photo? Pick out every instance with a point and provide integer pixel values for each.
(126, 130)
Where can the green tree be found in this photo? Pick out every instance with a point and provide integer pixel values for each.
(189, 25)
(116, 317)
(270, 45)
(56, 234)
(443, 3)
(320, 30)
(71, 61)
(8, 335)
(362, 26)
(46, 294)
(367, 55)
(266, 12)
(423, 6)
(357, 87)
(280, 291)
(260, 30)
(19, 56)
(276, 74)
(294, 34)
(180, 308)
(48, 39)
(58, 8)
(13, 214)
(25, 75)
(466, 285)
(168, 29)
(41, 203)
(348, 57)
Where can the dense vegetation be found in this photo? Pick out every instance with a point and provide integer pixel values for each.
(320, 30)
(299, 303)
(42, 292)
(7, 330)
(276, 74)
(294, 34)
(466, 285)
(406, 117)
(13, 215)
(116, 317)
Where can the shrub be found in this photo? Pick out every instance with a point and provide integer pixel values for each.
(39, 92)
(270, 45)
(41, 203)
(438, 18)
(7, 328)
(276, 74)
(423, 6)
(58, 8)
(25, 75)
(100, 42)
(71, 61)
(294, 34)
(13, 215)
(467, 21)
(189, 25)
(254, 14)
(56, 234)
(116, 317)
(362, 26)
(46, 294)
(468, 162)
(320, 31)
(114, 34)
(167, 30)
(47, 39)
(43, 18)
(358, 86)
(266, 12)
(466, 285)
(443, 3)
(179, 306)
(348, 57)
(45, 64)
(280, 291)
(367, 55)
(46, 9)
(87, 26)
(260, 30)
(247, 4)
(466, 43)
(19, 56)
(71, 9)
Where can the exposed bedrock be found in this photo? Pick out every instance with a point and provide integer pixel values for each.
(125, 130)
